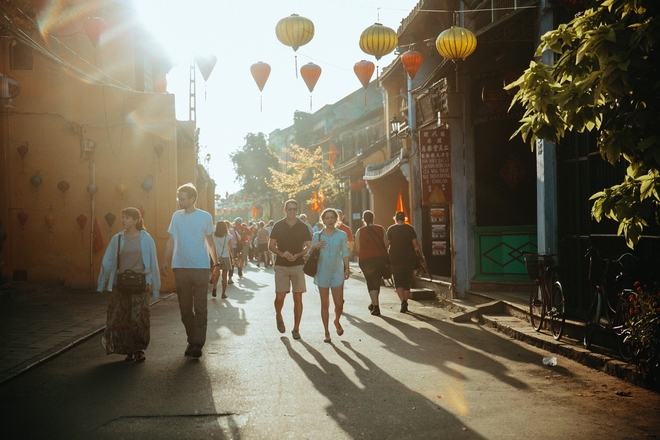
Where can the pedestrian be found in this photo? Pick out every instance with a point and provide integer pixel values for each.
(403, 250)
(303, 218)
(332, 269)
(189, 246)
(234, 251)
(371, 247)
(262, 244)
(271, 256)
(243, 233)
(127, 329)
(289, 241)
(223, 248)
(344, 227)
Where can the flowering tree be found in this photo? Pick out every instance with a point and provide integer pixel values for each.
(606, 78)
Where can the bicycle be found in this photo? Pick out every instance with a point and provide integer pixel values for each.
(547, 298)
(601, 312)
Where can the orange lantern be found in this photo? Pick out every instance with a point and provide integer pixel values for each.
(310, 73)
(82, 221)
(364, 71)
(260, 72)
(64, 187)
(411, 60)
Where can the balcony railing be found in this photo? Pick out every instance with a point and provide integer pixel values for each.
(483, 13)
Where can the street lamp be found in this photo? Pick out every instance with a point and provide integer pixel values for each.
(395, 125)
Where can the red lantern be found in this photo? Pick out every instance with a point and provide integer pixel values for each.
(94, 27)
(364, 70)
(82, 221)
(260, 72)
(411, 60)
(310, 73)
(22, 217)
(64, 187)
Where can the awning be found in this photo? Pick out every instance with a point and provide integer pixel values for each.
(387, 169)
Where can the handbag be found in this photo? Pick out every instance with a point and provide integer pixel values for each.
(312, 263)
(387, 270)
(129, 282)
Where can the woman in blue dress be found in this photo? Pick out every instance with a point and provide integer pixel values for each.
(332, 269)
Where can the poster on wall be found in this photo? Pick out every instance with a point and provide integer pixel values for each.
(436, 238)
(435, 156)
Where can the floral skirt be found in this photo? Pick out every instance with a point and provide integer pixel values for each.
(128, 323)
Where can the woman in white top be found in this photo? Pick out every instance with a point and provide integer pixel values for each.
(223, 247)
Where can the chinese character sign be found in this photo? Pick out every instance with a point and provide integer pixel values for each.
(435, 155)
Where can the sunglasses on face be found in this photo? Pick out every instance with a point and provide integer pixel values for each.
(292, 209)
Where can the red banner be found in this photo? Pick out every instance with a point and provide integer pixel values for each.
(435, 155)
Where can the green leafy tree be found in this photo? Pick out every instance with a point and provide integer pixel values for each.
(304, 173)
(252, 163)
(605, 77)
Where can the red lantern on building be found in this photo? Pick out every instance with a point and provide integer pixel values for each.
(310, 73)
(411, 60)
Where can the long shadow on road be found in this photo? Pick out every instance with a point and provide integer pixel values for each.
(379, 406)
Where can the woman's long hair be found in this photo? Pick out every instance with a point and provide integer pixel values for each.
(134, 213)
(220, 229)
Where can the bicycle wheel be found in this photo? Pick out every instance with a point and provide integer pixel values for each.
(558, 309)
(593, 318)
(536, 307)
(625, 350)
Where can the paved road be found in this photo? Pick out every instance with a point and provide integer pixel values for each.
(396, 376)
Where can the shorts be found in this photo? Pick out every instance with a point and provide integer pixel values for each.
(290, 279)
(262, 247)
(403, 275)
(372, 269)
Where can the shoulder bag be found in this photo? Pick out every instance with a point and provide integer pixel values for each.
(387, 271)
(312, 263)
(129, 282)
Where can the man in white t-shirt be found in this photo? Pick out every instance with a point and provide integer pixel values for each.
(190, 245)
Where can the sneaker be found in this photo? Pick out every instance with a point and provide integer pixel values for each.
(188, 351)
(404, 307)
(371, 307)
(375, 311)
(230, 281)
(196, 351)
(214, 293)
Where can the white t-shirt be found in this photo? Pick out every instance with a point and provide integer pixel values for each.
(189, 232)
(221, 245)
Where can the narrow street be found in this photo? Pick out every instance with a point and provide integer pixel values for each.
(398, 376)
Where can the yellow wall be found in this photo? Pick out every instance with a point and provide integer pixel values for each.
(56, 113)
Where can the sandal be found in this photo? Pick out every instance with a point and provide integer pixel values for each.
(139, 356)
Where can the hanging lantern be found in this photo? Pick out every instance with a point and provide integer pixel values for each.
(147, 186)
(22, 217)
(121, 189)
(64, 187)
(23, 151)
(378, 40)
(364, 70)
(82, 221)
(94, 27)
(110, 219)
(92, 189)
(50, 220)
(158, 149)
(206, 63)
(36, 180)
(295, 31)
(411, 60)
(260, 72)
(310, 73)
(456, 43)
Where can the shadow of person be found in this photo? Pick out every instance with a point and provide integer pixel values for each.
(379, 406)
(441, 349)
(224, 314)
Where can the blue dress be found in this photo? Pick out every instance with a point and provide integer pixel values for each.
(330, 272)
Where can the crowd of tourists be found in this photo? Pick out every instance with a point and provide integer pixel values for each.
(199, 253)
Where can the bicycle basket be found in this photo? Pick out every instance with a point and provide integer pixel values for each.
(536, 264)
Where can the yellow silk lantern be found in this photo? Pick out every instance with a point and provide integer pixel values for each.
(456, 43)
(378, 40)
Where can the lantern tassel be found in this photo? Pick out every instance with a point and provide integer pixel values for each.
(365, 98)
(296, 61)
(456, 71)
(310, 103)
(261, 103)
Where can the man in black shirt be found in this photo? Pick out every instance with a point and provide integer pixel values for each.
(289, 241)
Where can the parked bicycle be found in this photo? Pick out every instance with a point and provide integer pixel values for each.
(547, 298)
(606, 310)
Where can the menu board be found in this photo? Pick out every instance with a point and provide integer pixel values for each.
(435, 156)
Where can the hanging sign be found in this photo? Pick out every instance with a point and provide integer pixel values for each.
(435, 155)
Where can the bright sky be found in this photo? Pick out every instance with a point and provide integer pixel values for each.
(242, 32)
